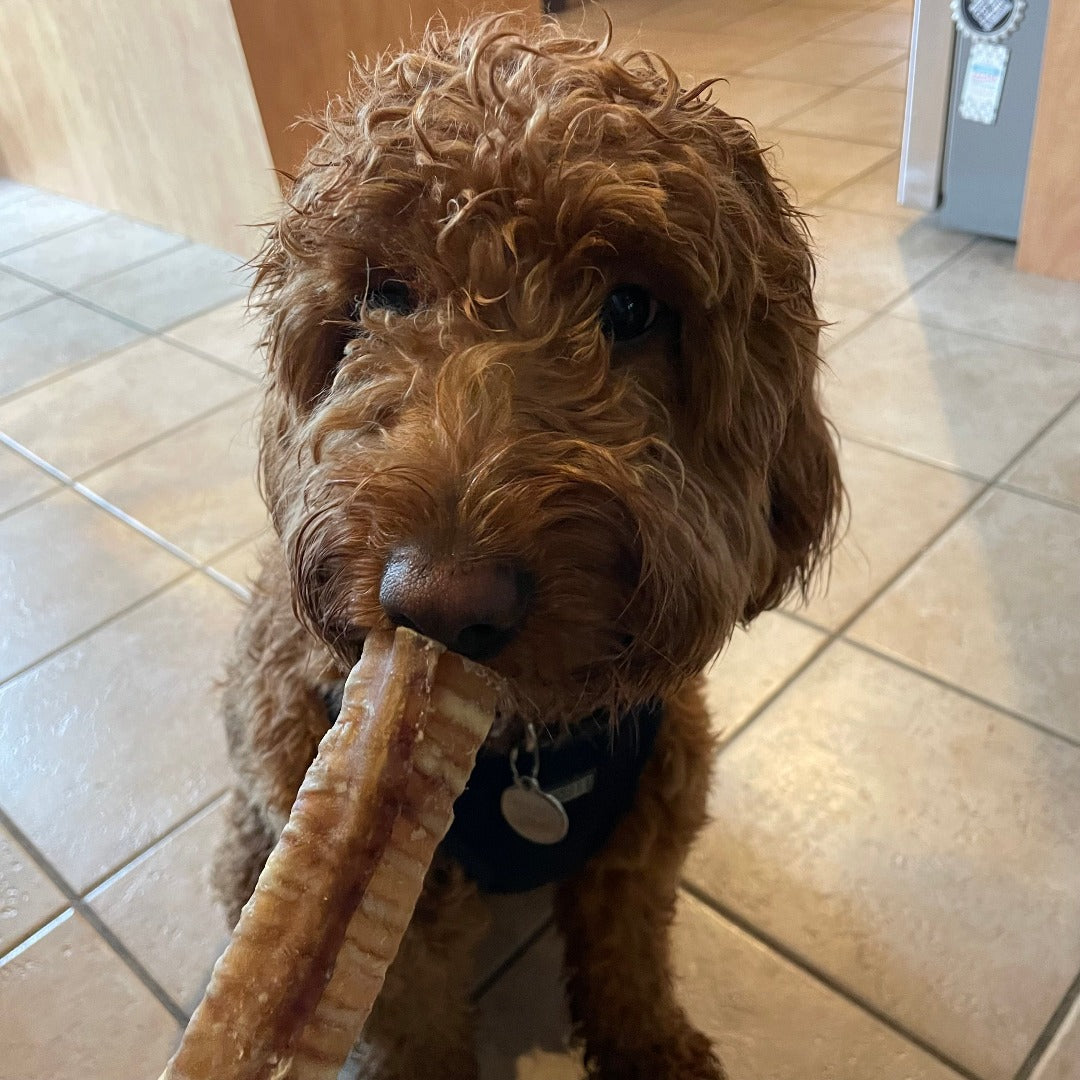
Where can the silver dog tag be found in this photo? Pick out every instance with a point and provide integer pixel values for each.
(533, 813)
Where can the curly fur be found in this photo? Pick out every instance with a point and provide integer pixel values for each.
(659, 492)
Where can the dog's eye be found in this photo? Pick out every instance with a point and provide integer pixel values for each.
(390, 294)
(628, 312)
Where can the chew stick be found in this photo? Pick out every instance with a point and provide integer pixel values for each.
(373, 806)
(457, 724)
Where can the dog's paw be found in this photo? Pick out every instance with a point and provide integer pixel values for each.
(685, 1055)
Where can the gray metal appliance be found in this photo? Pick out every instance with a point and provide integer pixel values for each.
(973, 82)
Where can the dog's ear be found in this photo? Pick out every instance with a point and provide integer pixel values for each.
(768, 339)
(805, 499)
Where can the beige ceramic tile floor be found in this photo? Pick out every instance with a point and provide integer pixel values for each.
(889, 888)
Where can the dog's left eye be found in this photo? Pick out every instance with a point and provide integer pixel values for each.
(628, 312)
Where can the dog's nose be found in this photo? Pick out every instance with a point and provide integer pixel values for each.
(473, 607)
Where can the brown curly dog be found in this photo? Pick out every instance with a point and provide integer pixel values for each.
(542, 358)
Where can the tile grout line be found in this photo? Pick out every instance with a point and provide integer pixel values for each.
(821, 977)
(834, 634)
(90, 496)
(141, 854)
(77, 485)
(812, 207)
(801, 39)
(69, 369)
(890, 306)
(1038, 496)
(964, 474)
(911, 455)
(68, 291)
(109, 353)
(256, 380)
(83, 909)
(794, 114)
(930, 321)
(1013, 714)
(820, 203)
(158, 334)
(60, 232)
(100, 466)
(193, 569)
(1050, 1031)
(32, 937)
(839, 633)
(82, 635)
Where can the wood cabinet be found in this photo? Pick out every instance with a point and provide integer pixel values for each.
(1050, 226)
(177, 112)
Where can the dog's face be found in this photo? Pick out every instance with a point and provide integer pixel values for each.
(535, 309)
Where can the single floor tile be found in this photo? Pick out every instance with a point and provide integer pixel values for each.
(515, 917)
(875, 193)
(38, 216)
(813, 165)
(230, 333)
(894, 77)
(890, 28)
(20, 480)
(1052, 466)
(1062, 1058)
(241, 565)
(753, 665)
(859, 115)
(831, 63)
(868, 261)
(764, 101)
(16, 294)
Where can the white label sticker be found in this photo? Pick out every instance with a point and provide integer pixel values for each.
(980, 95)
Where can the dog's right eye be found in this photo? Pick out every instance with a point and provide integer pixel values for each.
(390, 294)
(628, 313)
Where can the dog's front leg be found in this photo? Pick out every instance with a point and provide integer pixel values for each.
(423, 1026)
(616, 917)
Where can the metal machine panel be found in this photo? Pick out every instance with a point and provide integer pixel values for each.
(985, 165)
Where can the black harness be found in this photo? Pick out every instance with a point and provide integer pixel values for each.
(593, 771)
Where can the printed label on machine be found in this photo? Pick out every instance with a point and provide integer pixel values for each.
(980, 95)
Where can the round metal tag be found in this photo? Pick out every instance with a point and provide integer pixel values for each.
(534, 814)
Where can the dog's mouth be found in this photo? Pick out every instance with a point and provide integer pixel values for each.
(552, 697)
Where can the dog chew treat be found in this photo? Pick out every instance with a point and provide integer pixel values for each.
(290, 994)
